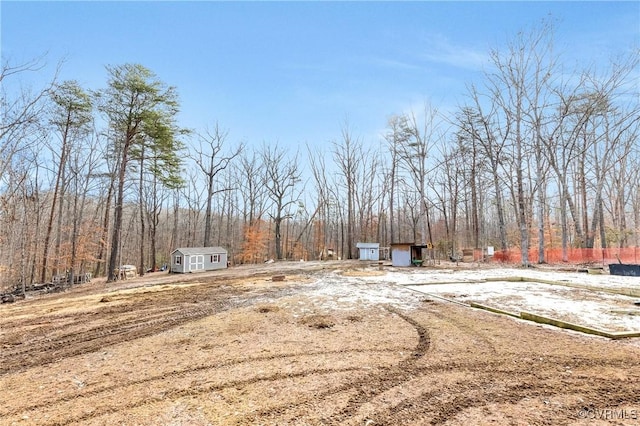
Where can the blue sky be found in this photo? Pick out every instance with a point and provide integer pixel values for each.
(293, 72)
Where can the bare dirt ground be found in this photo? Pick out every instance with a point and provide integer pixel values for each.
(234, 347)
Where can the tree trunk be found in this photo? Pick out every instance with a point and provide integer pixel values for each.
(59, 174)
(117, 217)
(277, 231)
(207, 214)
(102, 244)
(141, 260)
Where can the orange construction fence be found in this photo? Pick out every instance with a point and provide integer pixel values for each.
(574, 255)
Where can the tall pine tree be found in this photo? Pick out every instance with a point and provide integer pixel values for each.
(141, 112)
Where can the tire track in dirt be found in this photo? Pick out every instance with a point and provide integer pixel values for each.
(424, 340)
(179, 393)
(418, 351)
(428, 406)
(500, 368)
(186, 372)
(485, 385)
(431, 407)
(47, 351)
(46, 337)
(365, 388)
(152, 311)
(385, 379)
(44, 350)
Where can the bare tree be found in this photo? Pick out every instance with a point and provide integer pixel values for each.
(323, 202)
(83, 160)
(590, 127)
(539, 98)
(20, 109)
(517, 87)
(107, 184)
(449, 178)
(470, 128)
(281, 178)
(254, 194)
(358, 169)
(193, 193)
(347, 156)
(211, 160)
(415, 158)
(398, 135)
(22, 122)
(367, 195)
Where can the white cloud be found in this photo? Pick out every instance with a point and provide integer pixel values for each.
(440, 49)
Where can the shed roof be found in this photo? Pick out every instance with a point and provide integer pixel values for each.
(200, 250)
(368, 245)
(401, 245)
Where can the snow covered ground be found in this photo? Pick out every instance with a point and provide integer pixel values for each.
(580, 301)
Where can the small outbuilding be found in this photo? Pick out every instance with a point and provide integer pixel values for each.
(198, 259)
(407, 254)
(369, 251)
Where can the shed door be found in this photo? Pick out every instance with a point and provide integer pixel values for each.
(400, 257)
(196, 262)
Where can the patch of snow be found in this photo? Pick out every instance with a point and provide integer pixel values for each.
(409, 276)
(599, 310)
(340, 292)
(404, 288)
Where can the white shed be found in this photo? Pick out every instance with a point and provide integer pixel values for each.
(198, 259)
(369, 251)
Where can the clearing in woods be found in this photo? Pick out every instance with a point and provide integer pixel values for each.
(321, 347)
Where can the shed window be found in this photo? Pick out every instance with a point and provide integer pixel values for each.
(178, 260)
(215, 258)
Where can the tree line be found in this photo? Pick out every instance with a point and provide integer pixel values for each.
(537, 156)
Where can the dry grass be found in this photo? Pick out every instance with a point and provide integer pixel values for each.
(245, 351)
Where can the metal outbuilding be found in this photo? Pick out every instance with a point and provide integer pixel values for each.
(369, 251)
(407, 254)
(198, 259)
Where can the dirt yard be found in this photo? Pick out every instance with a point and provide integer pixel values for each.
(321, 347)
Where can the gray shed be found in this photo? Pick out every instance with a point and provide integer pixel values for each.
(198, 259)
(407, 254)
(369, 251)
(401, 254)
